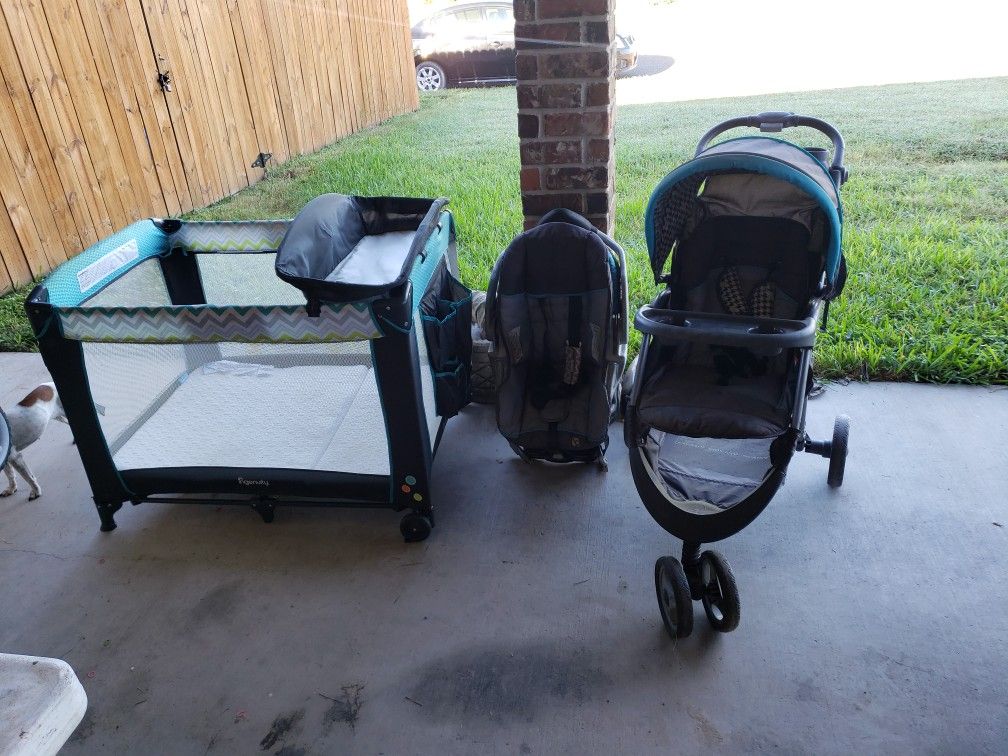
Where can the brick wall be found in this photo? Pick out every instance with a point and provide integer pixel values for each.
(565, 107)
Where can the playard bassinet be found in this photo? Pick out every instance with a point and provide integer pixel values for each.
(189, 366)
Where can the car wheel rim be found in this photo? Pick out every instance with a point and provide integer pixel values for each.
(428, 79)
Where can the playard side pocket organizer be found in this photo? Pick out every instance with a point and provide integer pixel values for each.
(192, 368)
(446, 313)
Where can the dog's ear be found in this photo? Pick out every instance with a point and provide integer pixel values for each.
(44, 393)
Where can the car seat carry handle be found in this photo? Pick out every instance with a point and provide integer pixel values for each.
(727, 330)
(774, 121)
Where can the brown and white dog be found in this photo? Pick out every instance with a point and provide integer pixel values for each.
(28, 421)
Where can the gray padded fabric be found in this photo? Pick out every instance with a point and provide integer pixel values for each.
(532, 326)
(709, 475)
(688, 400)
(552, 295)
(374, 260)
(784, 152)
(754, 195)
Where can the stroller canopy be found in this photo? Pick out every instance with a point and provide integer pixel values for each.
(753, 176)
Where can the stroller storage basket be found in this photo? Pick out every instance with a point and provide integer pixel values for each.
(189, 369)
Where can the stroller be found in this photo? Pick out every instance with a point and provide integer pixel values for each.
(715, 405)
(556, 315)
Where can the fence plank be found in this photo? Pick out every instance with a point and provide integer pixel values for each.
(118, 186)
(134, 67)
(32, 161)
(32, 45)
(123, 113)
(257, 72)
(89, 141)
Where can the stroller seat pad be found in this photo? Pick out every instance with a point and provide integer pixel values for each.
(687, 400)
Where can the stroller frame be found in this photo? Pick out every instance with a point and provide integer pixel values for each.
(705, 575)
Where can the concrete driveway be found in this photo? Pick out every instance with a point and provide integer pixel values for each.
(874, 618)
(698, 49)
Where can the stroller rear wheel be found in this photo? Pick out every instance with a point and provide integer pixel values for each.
(719, 593)
(838, 451)
(674, 597)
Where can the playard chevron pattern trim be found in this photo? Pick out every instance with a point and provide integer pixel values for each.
(287, 324)
(230, 236)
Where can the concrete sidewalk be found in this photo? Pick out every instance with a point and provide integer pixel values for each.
(874, 618)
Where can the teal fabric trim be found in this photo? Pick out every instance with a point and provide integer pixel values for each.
(449, 373)
(394, 326)
(453, 304)
(100, 264)
(754, 164)
(789, 144)
(434, 250)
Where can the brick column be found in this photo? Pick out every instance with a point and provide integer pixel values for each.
(565, 107)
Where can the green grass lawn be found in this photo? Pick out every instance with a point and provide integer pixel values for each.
(926, 209)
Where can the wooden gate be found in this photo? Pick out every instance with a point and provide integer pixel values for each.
(113, 110)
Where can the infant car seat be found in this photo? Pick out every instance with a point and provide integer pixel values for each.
(556, 315)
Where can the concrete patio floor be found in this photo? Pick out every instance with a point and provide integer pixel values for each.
(874, 618)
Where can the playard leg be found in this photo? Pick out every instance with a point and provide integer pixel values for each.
(265, 508)
(106, 511)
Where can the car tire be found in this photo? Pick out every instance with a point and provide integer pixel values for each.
(430, 76)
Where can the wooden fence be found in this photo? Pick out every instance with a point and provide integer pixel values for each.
(113, 110)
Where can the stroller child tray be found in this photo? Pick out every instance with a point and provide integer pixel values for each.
(729, 330)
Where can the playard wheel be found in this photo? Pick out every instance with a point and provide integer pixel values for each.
(265, 509)
(720, 594)
(415, 527)
(673, 597)
(838, 451)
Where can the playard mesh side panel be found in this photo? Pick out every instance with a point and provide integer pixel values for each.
(307, 407)
(246, 380)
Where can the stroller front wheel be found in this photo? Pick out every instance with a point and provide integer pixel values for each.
(720, 595)
(838, 451)
(674, 600)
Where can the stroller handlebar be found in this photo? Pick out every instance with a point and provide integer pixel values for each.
(776, 121)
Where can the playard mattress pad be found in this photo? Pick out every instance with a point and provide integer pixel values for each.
(264, 418)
